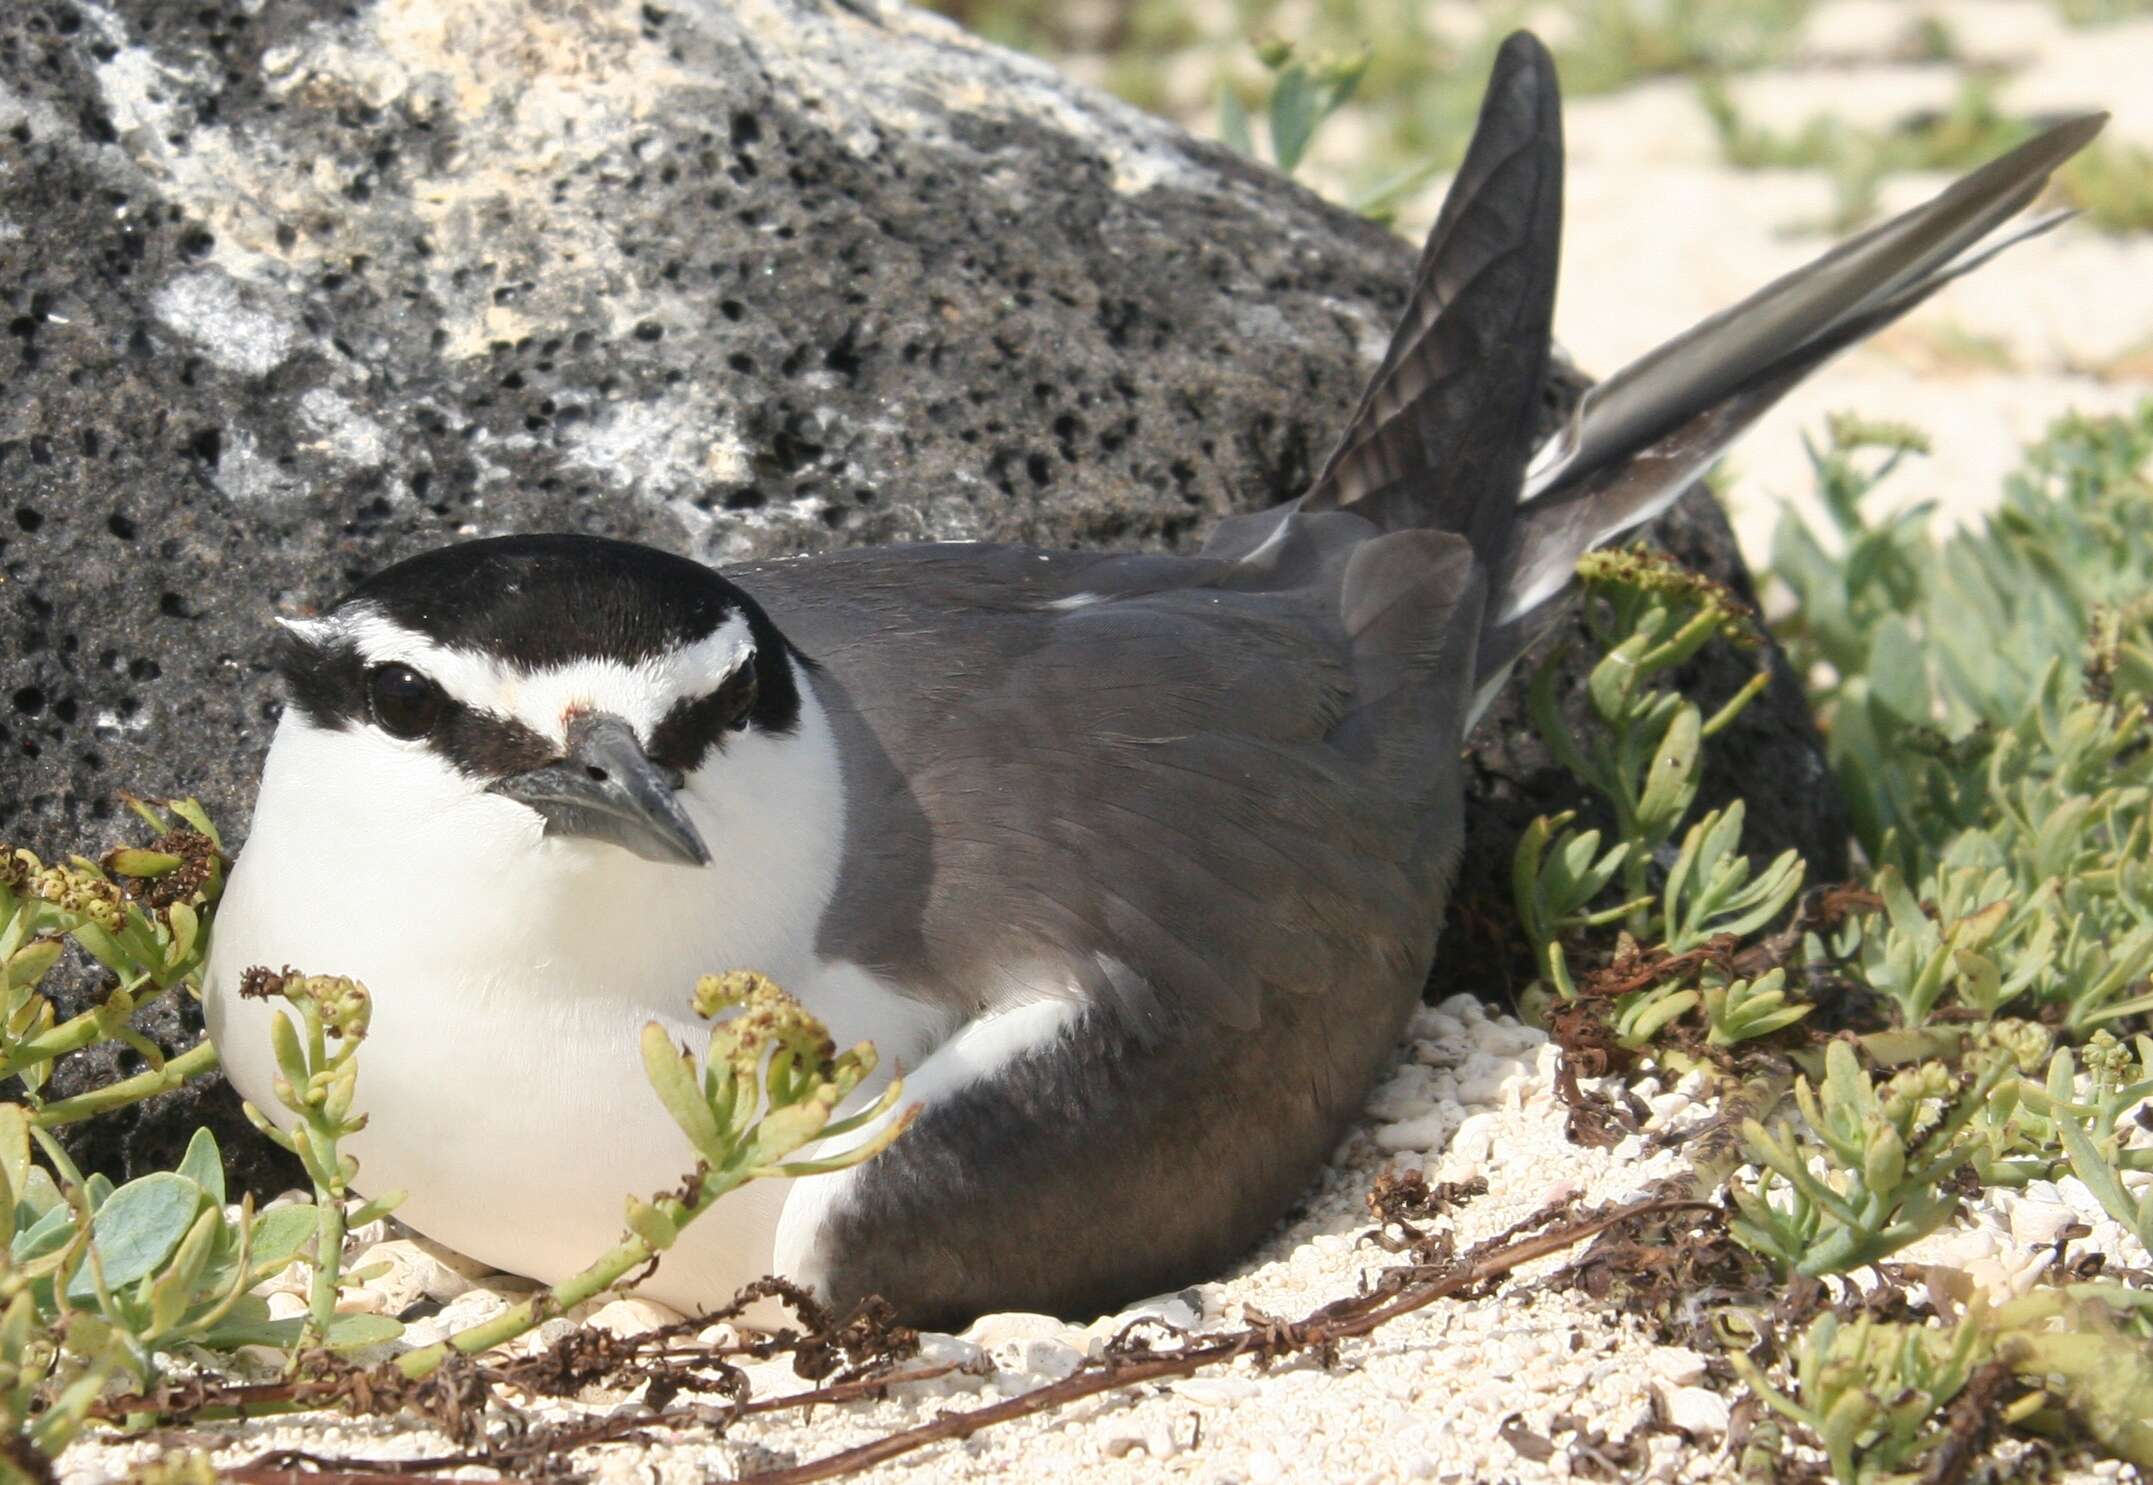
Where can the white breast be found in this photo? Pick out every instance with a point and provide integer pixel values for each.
(512, 975)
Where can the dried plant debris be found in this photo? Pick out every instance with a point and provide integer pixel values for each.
(466, 1401)
(1667, 1265)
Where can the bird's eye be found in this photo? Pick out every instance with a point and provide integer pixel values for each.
(405, 704)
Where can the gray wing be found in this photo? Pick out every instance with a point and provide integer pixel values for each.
(1155, 783)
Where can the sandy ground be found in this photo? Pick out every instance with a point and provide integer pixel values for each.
(1659, 234)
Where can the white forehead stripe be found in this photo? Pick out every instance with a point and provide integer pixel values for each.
(543, 697)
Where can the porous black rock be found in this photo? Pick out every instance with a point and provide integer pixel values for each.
(292, 290)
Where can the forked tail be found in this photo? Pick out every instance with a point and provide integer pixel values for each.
(1443, 434)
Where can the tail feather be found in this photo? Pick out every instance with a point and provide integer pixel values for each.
(1560, 522)
(1440, 440)
(1719, 355)
(1442, 433)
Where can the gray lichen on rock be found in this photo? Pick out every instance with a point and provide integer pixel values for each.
(208, 308)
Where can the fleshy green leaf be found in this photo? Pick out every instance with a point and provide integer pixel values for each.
(137, 1228)
(40, 1194)
(672, 1076)
(203, 1164)
(1293, 117)
(1234, 131)
(349, 1332)
(48, 1234)
(15, 1156)
(1671, 781)
(193, 814)
(247, 1323)
(28, 964)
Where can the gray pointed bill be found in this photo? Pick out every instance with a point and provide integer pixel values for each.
(607, 788)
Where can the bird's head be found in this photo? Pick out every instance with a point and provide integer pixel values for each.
(586, 682)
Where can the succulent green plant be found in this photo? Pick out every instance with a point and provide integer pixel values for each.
(1873, 1392)
(96, 1282)
(1870, 1392)
(1863, 1174)
(1743, 1010)
(2085, 1108)
(1640, 746)
(1713, 890)
(168, 1262)
(1923, 653)
(316, 1082)
(140, 916)
(1305, 91)
(1986, 711)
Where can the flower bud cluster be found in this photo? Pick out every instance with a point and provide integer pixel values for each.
(76, 890)
(767, 1018)
(1669, 581)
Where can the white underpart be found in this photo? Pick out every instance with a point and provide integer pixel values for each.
(512, 974)
(980, 1050)
(542, 697)
(1075, 600)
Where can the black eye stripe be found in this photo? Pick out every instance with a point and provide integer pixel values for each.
(687, 733)
(326, 682)
(328, 686)
(488, 745)
(485, 744)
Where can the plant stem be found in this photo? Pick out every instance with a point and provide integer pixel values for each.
(625, 1257)
(197, 1059)
(328, 1263)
